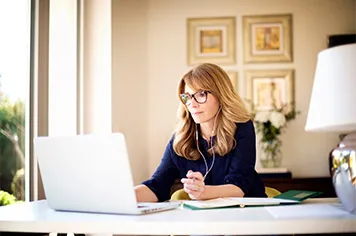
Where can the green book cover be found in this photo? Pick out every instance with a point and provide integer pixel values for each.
(298, 195)
(193, 207)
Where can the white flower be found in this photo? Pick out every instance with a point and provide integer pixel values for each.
(277, 119)
(262, 116)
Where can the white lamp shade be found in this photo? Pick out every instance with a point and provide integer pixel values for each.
(333, 101)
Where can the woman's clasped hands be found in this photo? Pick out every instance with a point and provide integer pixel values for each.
(194, 184)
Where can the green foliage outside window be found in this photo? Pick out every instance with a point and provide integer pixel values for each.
(6, 198)
(12, 145)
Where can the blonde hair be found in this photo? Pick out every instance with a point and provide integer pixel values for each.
(214, 79)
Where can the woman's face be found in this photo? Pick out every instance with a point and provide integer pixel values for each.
(202, 112)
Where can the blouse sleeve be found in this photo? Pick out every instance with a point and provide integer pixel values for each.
(242, 168)
(163, 178)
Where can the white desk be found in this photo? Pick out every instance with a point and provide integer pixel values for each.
(37, 217)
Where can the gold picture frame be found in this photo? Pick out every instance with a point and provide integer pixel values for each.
(211, 40)
(268, 38)
(269, 89)
(234, 79)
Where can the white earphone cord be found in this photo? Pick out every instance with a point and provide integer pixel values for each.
(211, 145)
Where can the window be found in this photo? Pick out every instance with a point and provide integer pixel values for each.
(14, 94)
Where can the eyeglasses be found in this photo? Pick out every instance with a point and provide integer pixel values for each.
(200, 97)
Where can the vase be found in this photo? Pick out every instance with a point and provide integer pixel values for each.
(270, 154)
(343, 171)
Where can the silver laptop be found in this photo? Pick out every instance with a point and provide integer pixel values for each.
(90, 173)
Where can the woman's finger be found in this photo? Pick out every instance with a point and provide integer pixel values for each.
(187, 181)
(188, 190)
(194, 187)
(196, 175)
(192, 181)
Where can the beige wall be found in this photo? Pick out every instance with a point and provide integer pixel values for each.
(95, 67)
(355, 15)
(130, 80)
(149, 57)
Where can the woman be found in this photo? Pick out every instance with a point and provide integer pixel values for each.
(213, 149)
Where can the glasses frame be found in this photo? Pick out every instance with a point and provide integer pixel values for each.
(191, 96)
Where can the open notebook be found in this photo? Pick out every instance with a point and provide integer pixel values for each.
(289, 197)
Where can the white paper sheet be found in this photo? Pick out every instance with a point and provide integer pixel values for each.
(241, 202)
(262, 201)
(308, 210)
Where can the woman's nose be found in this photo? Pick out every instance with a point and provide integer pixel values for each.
(193, 103)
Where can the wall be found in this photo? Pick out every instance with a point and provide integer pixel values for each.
(130, 81)
(150, 55)
(94, 66)
(355, 15)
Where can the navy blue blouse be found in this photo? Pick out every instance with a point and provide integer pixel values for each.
(237, 167)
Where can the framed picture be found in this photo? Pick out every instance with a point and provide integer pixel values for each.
(268, 38)
(211, 40)
(269, 89)
(234, 79)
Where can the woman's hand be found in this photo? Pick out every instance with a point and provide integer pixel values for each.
(194, 184)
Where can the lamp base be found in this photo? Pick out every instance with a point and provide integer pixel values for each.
(344, 172)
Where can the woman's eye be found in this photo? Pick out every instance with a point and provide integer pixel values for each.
(201, 94)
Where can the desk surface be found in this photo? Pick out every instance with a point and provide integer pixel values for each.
(312, 216)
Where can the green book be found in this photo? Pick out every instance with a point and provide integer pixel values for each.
(298, 195)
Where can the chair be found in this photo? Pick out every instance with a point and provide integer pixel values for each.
(181, 195)
(271, 192)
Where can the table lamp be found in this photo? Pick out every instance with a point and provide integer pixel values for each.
(332, 108)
